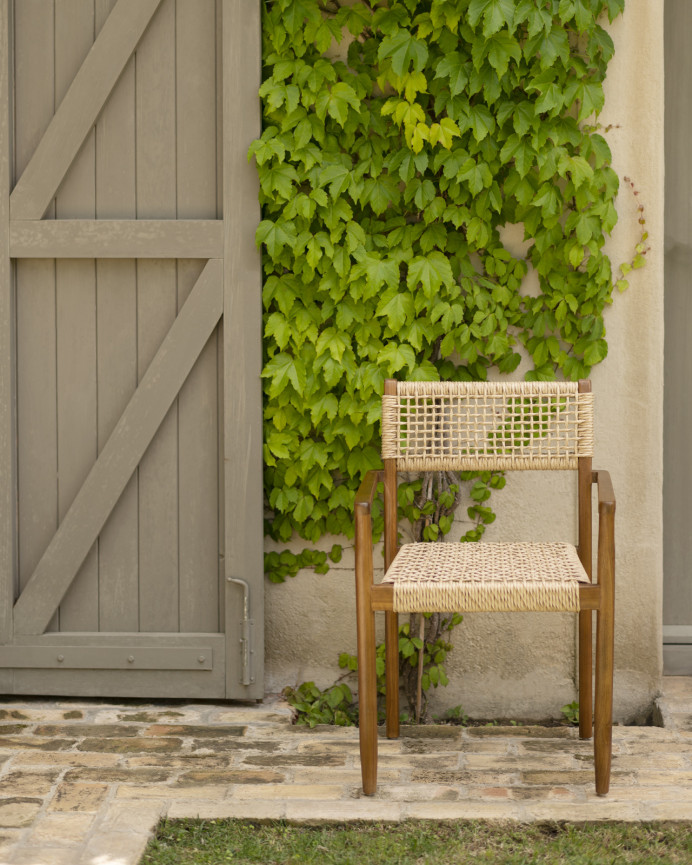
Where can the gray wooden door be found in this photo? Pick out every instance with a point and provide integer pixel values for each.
(130, 425)
(677, 456)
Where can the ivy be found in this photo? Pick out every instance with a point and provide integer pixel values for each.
(389, 169)
(287, 564)
(336, 704)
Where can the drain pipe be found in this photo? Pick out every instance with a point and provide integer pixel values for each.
(245, 625)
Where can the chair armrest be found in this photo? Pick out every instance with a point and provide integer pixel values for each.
(366, 491)
(606, 495)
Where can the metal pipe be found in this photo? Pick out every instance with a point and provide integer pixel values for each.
(245, 624)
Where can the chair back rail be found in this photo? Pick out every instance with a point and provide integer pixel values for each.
(484, 426)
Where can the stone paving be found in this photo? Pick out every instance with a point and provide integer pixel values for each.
(85, 783)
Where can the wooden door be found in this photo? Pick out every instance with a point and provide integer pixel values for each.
(677, 417)
(130, 320)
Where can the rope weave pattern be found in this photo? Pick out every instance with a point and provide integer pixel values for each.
(461, 426)
(480, 577)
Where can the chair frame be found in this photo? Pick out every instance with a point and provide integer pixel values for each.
(598, 597)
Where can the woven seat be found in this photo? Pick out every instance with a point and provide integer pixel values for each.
(485, 578)
(486, 426)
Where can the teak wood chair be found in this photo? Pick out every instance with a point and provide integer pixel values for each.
(462, 426)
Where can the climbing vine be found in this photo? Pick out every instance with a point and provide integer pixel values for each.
(401, 139)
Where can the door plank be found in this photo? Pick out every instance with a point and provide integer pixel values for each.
(198, 477)
(121, 455)
(157, 305)
(116, 309)
(196, 101)
(117, 381)
(75, 293)
(242, 340)
(116, 238)
(37, 457)
(198, 480)
(81, 106)
(7, 474)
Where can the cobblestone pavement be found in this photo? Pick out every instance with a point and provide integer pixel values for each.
(86, 782)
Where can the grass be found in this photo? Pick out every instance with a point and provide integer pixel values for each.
(217, 842)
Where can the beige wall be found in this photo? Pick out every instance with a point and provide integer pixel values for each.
(524, 665)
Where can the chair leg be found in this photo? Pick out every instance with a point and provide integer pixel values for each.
(391, 635)
(603, 726)
(585, 675)
(367, 698)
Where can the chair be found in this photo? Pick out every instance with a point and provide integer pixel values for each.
(461, 426)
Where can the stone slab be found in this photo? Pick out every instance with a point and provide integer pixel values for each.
(61, 830)
(28, 783)
(102, 846)
(18, 811)
(44, 856)
(165, 792)
(462, 810)
(229, 809)
(71, 758)
(318, 792)
(316, 813)
(78, 797)
(128, 817)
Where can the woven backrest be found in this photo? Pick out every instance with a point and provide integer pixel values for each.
(466, 426)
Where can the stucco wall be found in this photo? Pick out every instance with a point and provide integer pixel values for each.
(524, 665)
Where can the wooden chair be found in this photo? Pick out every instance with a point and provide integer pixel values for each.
(459, 426)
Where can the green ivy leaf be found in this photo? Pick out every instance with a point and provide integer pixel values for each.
(577, 167)
(296, 12)
(477, 175)
(444, 132)
(277, 326)
(501, 48)
(482, 121)
(592, 98)
(548, 199)
(304, 507)
(397, 307)
(495, 13)
(396, 357)
(336, 101)
(381, 271)
(453, 67)
(550, 46)
(325, 405)
(275, 236)
(431, 271)
(279, 179)
(523, 117)
(403, 51)
(379, 192)
(337, 177)
(283, 369)
(595, 352)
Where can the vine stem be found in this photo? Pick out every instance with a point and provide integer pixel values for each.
(421, 652)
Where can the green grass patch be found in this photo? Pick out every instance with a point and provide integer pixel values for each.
(213, 842)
